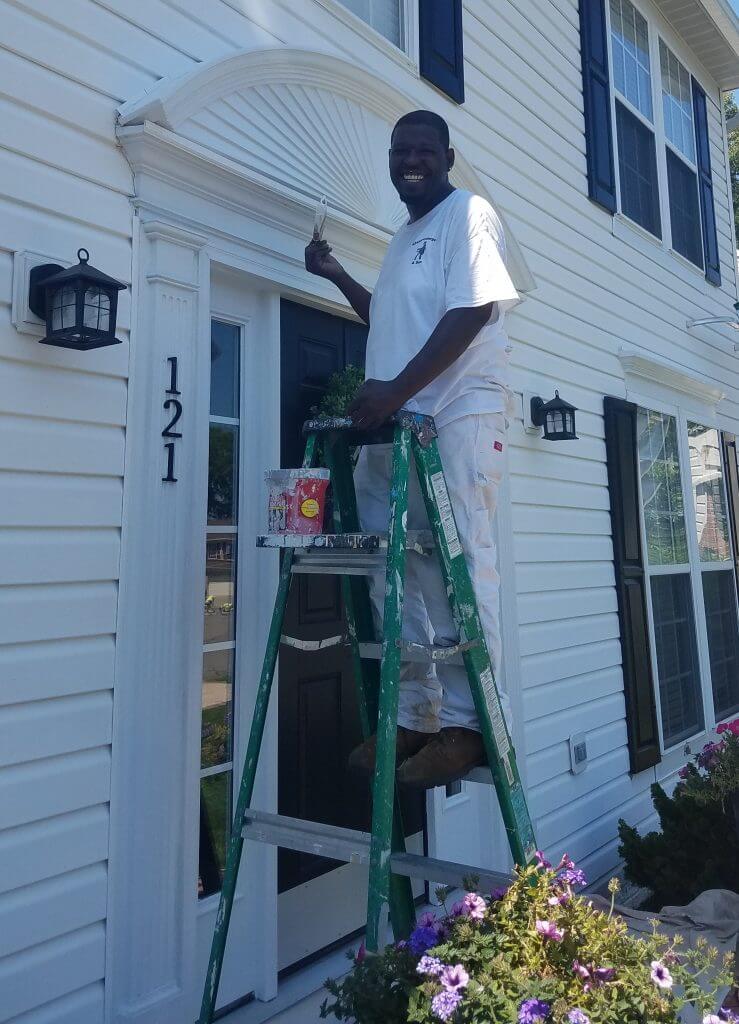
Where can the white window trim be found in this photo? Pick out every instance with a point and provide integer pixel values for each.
(675, 755)
(407, 54)
(656, 31)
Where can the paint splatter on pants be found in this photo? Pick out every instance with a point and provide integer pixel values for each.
(472, 453)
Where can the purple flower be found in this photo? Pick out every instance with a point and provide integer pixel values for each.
(445, 1003)
(567, 863)
(533, 1011)
(660, 975)
(683, 773)
(429, 965)
(604, 974)
(578, 1017)
(549, 930)
(454, 978)
(361, 953)
(541, 861)
(426, 920)
(474, 906)
(422, 939)
(712, 1018)
(573, 876)
(580, 970)
(401, 945)
(725, 1013)
(498, 894)
(458, 909)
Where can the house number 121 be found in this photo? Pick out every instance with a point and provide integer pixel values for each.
(173, 406)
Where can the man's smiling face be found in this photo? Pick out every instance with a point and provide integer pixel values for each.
(419, 163)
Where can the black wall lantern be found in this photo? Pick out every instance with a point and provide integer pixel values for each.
(556, 417)
(79, 305)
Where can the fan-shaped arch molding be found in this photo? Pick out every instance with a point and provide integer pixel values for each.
(307, 120)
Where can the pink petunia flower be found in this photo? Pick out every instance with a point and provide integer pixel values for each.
(361, 953)
(549, 930)
(474, 906)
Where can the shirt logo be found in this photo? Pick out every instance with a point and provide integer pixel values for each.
(498, 446)
(420, 251)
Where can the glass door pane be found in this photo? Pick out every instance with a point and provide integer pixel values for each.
(219, 608)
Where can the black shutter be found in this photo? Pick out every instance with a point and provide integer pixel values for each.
(597, 101)
(440, 44)
(705, 186)
(731, 475)
(628, 558)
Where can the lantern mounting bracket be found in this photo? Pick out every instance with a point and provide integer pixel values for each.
(37, 276)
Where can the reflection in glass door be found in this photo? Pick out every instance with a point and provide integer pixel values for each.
(219, 653)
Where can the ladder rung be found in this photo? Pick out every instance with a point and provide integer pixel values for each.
(353, 847)
(423, 653)
(361, 543)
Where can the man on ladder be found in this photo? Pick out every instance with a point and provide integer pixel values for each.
(437, 345)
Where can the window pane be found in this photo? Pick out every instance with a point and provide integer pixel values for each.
(719, 595)
(222, 474)
(677, 102)
(220, 589)
(685, 220)
(97, 309)
(383, 15)
(677, 657)
(630, 48)
(706, 472)
(637, 162)
(662, 496)
(216, 723)
(224, 369)
(215, 825)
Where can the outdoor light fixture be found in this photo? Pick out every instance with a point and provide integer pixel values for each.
(79, 305)
(557, 417)
(709, 321)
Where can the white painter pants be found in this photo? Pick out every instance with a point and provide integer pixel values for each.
(471, 450)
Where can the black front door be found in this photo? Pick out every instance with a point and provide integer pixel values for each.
(318, 719)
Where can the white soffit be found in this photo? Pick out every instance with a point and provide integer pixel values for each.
(711, 30)
(309, 122)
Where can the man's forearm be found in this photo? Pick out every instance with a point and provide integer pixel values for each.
(453, 334)
(356, 294)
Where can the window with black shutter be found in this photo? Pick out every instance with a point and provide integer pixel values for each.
(440, 39)
(623, 484)
(640, 99)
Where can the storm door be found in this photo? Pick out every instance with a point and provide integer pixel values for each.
(318, 718)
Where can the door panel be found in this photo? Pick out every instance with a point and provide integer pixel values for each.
(318, 717)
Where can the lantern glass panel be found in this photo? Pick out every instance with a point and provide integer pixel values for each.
(97, 309)
(63, 309)
(556, 422)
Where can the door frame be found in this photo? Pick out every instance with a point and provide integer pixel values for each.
(192, 213)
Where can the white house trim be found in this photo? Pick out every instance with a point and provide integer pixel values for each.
(640, 368)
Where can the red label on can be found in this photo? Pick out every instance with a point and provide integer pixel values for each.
(498, 445)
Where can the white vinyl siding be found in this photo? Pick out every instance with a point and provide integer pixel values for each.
(65, 182)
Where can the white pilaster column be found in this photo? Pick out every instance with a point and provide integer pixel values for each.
(154, 810)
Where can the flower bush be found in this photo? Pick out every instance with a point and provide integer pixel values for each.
(340, 391)
(536, 953)
(697, 847)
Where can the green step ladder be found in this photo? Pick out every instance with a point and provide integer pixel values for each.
(354, 556)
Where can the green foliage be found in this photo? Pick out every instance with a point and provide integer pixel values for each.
(508, 961)
(730, 108)
(342, 387)
(697, 847)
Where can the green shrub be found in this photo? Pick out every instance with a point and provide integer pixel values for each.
(698, 845)
(535, 953)
(341, 389)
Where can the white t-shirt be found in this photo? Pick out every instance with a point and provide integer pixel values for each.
(451, 258)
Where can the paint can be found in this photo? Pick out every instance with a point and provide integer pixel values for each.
(296, 500)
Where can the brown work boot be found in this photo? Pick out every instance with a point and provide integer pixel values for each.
(449, 756)
(408, 743)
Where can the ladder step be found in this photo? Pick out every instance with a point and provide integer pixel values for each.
(362, 543)
(353, 847)
(422, 653)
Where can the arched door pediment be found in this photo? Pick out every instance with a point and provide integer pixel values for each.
(308, 122)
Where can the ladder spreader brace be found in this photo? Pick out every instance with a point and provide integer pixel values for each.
(353, 555)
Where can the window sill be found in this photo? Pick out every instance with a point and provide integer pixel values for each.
(406, 60)
(688, 264)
